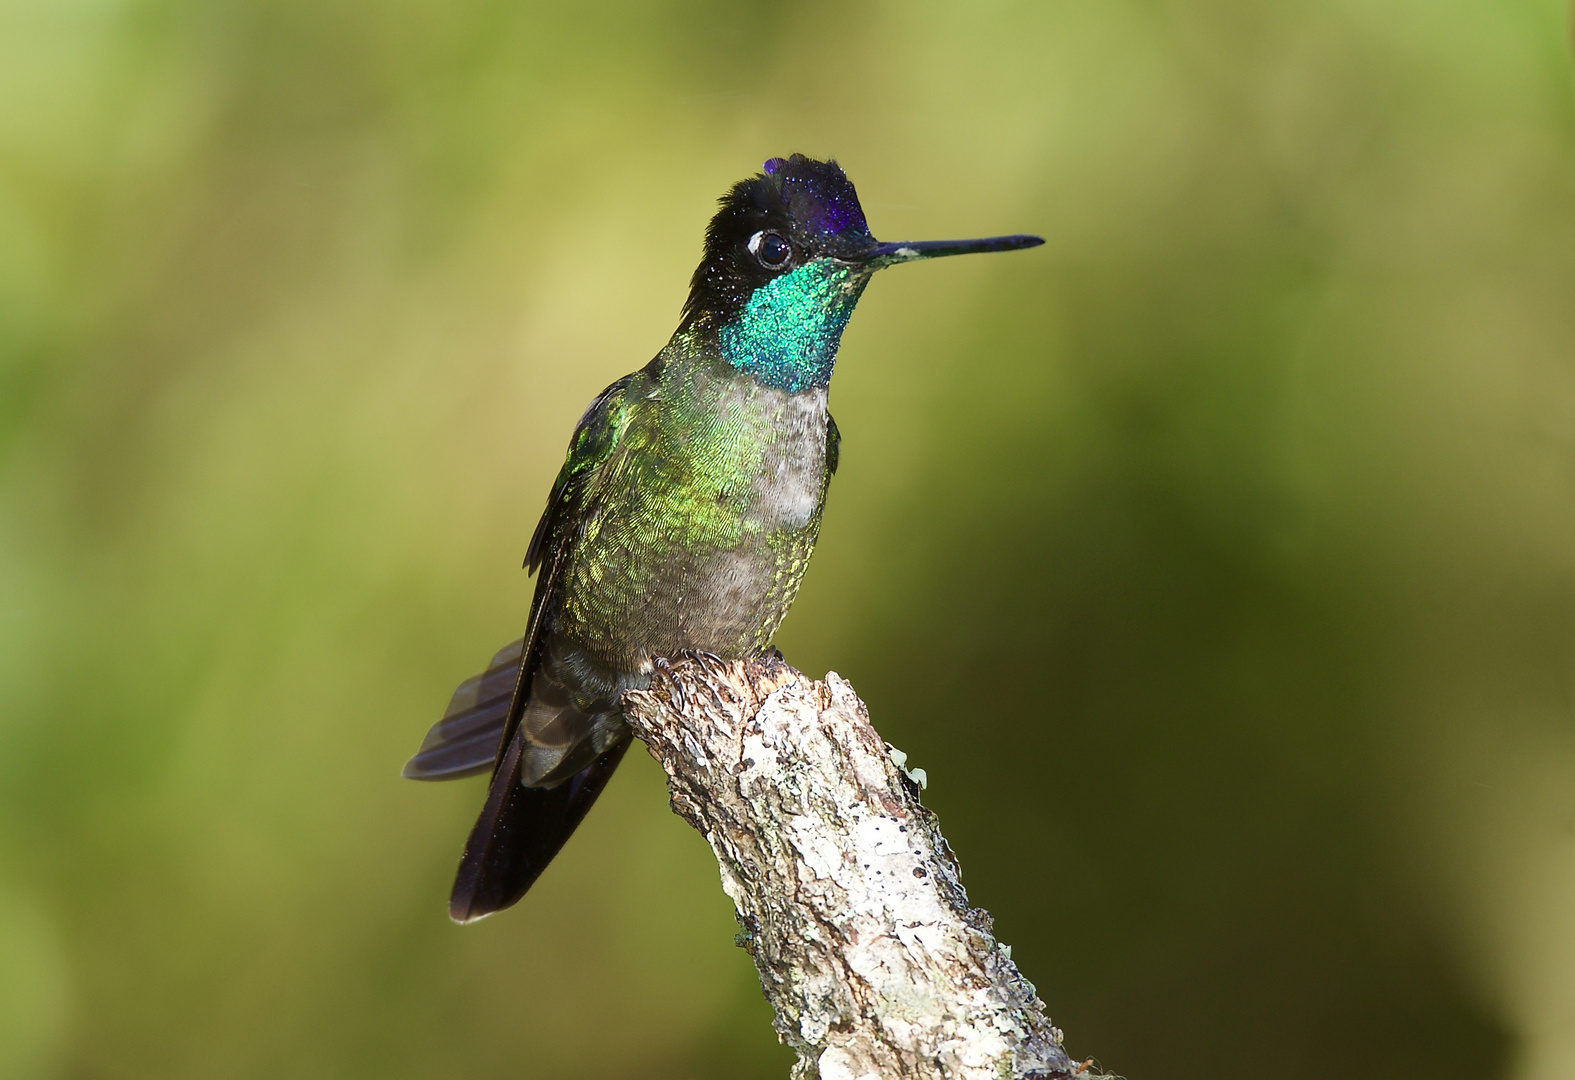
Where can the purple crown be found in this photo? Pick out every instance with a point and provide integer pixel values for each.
(818, 195)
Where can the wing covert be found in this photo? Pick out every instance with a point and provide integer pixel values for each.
(595, 439)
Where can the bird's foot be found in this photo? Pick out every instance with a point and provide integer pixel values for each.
(714, 666)
(675, 690)
(773, 656)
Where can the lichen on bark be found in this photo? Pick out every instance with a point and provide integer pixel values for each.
(848, 896)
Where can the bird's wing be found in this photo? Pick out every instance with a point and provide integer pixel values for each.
(485, 710)
(596, 441)
(521, 828)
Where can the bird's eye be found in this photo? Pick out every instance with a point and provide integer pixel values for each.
(772, 251)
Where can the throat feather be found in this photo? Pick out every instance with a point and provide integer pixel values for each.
(788, 333)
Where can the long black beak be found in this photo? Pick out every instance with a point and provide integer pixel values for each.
(913, 250)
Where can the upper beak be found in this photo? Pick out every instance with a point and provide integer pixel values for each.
(912, 250)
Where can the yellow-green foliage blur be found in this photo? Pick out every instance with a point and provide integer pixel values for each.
(1217, 559)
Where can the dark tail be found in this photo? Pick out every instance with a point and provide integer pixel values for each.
(520, 830)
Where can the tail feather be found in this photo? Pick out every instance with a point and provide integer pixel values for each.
(454, 754)
(466, 740)
(520, 830)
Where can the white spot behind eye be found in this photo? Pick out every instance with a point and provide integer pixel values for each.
(754, 242)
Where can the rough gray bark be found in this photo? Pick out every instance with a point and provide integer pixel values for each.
(848, 896)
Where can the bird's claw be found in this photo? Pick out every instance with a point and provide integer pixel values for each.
(714, 666)
(675, 689)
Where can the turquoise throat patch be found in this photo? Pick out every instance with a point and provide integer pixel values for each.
(788, 333)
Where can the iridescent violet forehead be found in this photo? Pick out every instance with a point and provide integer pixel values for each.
(819, 195)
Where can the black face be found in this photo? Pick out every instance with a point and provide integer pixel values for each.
(749, 241)
(795, 211)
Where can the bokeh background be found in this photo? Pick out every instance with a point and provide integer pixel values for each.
(1217, 559)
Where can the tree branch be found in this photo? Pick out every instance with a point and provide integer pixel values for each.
(848, 896)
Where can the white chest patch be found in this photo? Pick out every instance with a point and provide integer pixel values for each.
(792, 481)
(795, 496)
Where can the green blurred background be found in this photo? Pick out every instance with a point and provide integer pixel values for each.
(1215, 559)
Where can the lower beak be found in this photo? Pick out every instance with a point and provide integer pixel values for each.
(913, 250)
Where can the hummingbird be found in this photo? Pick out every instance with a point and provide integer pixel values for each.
(681, 522)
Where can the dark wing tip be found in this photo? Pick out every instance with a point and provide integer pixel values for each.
(459, 910)
(520, 830)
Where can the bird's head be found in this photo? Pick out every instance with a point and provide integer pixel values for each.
(786, 257)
